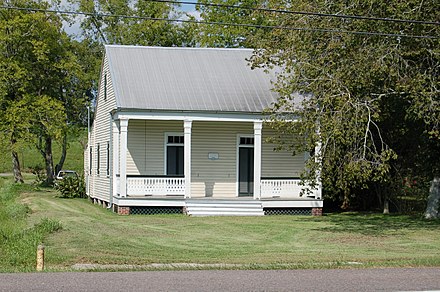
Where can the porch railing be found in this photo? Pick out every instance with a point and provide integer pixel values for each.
(288, 188)
(155, 186)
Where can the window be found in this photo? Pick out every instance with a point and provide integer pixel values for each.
(246, 141)
(245, 165)
(105, 86)
(90, 159)
(175, 140)
(108, 159)
(174, 154)
(97, 159)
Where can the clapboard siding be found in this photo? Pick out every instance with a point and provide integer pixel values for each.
(279, 163)
(146, 144)
(216, 178)
(101, 134)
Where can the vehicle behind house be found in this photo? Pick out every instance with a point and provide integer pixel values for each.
(66, 173)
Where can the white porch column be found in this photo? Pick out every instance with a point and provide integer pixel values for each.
(123, 124)
(115, 151)
(187, 157)
(318, 160)
(258, 126)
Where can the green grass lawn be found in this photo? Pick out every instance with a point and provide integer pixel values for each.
(91, 234)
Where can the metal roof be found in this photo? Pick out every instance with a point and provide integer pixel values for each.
(190, 79)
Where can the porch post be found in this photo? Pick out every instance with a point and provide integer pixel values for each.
(123, 124)
(187, 157)
(115, 151)
(258, 125)
(318, 159)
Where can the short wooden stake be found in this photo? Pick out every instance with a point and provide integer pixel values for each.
(40, 257)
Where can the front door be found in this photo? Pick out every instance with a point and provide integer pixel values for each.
(174, 154)
(245, 171)
(175, 160)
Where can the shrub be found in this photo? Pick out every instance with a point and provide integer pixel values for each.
(40, 174)
(72, 187)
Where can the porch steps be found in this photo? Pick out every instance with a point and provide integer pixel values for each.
(216, 207)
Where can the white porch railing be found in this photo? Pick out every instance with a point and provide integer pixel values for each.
(155, 186)
(284, 189)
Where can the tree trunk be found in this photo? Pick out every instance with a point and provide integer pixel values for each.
(433, 200)
(18, 178)
(48, 161)
(386, 206)
(60, 164)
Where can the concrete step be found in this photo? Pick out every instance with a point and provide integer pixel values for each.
(232, 213)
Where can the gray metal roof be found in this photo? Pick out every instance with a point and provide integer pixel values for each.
(192, 79)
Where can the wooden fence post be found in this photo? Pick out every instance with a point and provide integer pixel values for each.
(40, 258)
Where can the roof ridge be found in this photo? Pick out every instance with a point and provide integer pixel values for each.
(177, 48)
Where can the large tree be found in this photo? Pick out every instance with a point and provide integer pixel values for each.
(42, 82)
(367, 95)
(123, 22)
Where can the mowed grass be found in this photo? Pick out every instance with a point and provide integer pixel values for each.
(93, 235)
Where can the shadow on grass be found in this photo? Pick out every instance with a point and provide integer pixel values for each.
(376, 224)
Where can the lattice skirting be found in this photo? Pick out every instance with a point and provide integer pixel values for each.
(155, 210)
(288, 211)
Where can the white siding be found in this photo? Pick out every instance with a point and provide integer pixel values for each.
(216, 178)
(279, 163)
(146, 144)
(101, 133)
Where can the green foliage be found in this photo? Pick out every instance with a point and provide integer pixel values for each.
(133, 31)
(230, 36)
(72, 187)
(18, 242)
(39, 172)
(46, 80)
(371, 101)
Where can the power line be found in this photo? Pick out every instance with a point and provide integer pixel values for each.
(357, 17)
(322, 30)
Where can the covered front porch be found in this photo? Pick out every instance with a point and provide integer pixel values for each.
(171, 160)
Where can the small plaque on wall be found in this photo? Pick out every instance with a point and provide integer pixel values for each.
(213, 155)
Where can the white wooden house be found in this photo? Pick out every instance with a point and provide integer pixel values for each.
(181, 130)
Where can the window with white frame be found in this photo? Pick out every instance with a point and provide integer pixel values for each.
(97, 159)
(90, 159)
(108, 159)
